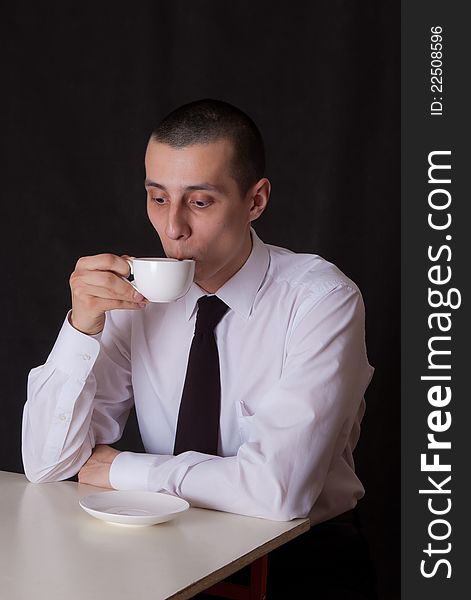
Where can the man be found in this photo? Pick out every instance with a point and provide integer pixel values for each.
(289, 342)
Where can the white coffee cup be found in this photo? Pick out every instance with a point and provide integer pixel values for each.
(162, 279)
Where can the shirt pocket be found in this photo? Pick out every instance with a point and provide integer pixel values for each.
(245, 421)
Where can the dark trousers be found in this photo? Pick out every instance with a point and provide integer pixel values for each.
(330, 562)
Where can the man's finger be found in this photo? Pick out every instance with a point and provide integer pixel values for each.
(98, 304)
(103, 262)
(105, 284)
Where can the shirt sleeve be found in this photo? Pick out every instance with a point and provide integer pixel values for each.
(301, 425)
(80, 397)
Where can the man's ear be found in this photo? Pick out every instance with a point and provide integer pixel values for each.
(259, 196)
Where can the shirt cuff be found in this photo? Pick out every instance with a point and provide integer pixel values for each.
(130, 470)
(74, 352)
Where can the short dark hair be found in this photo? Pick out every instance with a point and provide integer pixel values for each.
(207, 120)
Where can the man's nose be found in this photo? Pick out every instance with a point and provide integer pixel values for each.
(177, 226)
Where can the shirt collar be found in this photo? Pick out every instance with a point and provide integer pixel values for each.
(240, 290)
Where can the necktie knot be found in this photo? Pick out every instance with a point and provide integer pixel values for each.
(211, 310)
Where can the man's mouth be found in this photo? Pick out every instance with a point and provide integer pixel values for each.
(183, 257)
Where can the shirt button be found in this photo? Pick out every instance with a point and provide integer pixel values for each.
(86, 356)
(63, 417)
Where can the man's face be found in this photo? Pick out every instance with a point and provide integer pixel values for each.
(196, 208)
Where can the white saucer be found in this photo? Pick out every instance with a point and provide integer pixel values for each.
(133, 508)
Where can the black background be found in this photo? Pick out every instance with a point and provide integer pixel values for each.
(83, 85)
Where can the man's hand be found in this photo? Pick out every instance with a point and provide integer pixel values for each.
(96, 471)
(97, 285)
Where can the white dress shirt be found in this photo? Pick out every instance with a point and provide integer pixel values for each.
(293, 370)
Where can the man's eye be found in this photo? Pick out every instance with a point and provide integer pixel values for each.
(158, 200)
(201, 203)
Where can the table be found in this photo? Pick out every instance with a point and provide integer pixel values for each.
(50, 549)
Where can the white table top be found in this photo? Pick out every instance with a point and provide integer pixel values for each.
(51, 549)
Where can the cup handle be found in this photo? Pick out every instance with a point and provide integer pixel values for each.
(132, 273)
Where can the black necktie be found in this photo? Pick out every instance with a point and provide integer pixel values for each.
(198, 417)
